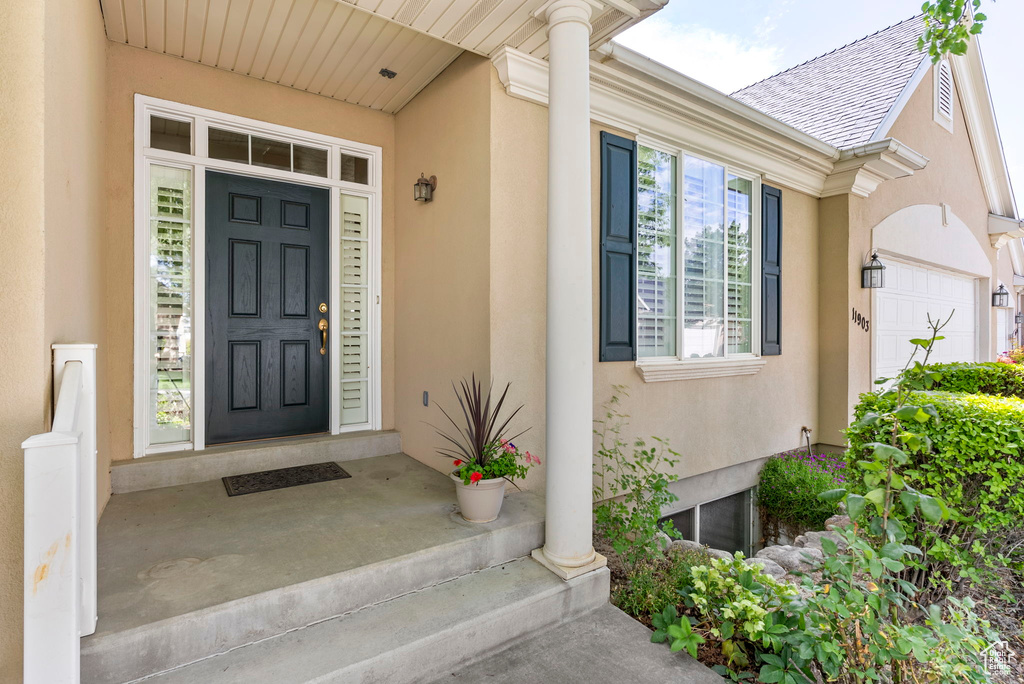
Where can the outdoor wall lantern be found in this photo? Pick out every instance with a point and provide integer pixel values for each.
(873, 273)
(424, 189)
(1018, 319)
(1001, 297)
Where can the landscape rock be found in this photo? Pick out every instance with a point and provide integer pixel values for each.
(812, 540)
(767, 566)
(792, 558)
(838, 522)
(687, 545)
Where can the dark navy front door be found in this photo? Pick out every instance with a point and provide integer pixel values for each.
(267, 282)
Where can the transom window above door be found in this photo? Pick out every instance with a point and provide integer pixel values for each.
(242, 147)
(698, 258)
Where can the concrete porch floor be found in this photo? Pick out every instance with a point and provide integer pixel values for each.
(175, 550)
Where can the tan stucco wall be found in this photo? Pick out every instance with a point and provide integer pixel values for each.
(950, 177)
(51, 74)
(518, 261)
(442, 278)
(22, 383)
(131, 70)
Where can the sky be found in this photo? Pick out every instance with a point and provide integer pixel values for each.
(733, 43)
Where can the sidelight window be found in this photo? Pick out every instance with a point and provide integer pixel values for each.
(170, 304)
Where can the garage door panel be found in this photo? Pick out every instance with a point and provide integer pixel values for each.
(902, 312)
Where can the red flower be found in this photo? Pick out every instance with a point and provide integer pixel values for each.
(476, 477)
(457, 462)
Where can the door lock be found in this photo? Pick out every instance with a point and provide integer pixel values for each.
(323, 307)
(322, 325)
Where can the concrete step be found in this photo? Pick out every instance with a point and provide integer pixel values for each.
(604, 645)
(270, 583)
(413, 638)
(187, 467)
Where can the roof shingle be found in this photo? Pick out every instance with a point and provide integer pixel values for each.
(841, 97)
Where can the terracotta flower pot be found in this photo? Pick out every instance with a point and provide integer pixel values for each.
(480, 502)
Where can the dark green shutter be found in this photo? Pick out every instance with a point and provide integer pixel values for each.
(771, 264)
(618, 249)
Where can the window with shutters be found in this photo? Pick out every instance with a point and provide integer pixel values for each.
(944, 95)
(698, 263)
(170, 319)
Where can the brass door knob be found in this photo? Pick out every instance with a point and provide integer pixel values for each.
(322, 325)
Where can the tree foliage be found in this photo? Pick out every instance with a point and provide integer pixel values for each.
(949, 26)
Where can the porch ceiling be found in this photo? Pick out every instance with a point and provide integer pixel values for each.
(337, 48)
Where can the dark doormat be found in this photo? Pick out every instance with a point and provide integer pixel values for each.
(266, 480)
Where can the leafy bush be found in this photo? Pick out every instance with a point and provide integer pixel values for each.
(787, 493)
(974, 461)
(854, 627)
(631, 489)
(1003, 379)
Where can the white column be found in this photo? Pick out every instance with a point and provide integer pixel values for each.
(568, 547)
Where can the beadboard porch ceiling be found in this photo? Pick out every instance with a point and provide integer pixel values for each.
(337, 48)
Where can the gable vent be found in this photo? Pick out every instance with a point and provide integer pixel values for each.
(944, 91)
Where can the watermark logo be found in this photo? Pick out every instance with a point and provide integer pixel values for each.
(999, 658)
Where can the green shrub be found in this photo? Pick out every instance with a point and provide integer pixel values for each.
(788, 489)
(1002, 379)
(972, 458)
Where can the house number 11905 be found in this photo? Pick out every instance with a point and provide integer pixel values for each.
(863, 322)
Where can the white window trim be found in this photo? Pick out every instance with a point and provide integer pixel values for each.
(199, 162)
(938, 115)
(668, 368)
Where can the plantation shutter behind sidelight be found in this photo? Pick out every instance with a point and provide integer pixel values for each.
(771, 279)
(618, 248)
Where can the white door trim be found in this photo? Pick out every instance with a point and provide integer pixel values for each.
(198, 163)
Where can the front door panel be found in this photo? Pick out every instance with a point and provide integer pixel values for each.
(267, 255)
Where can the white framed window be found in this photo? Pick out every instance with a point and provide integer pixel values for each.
(698, 266)
(944, 95)
(175, 145)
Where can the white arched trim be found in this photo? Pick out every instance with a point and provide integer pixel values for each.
(932, 234)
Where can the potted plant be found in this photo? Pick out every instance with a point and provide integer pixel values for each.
(483, 454)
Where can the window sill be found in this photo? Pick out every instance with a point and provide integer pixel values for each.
(692, 369)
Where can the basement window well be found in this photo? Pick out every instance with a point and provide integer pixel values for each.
(725, 524)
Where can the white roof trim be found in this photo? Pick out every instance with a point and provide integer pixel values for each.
(683, 112)
(904, 97)
(860, 170)
(1001, 230)
(976, 102)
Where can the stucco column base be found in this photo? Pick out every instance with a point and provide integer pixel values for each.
(565, 572)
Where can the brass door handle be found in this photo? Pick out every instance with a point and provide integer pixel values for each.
(323, 336)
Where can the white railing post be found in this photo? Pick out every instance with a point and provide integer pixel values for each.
(60, 524)
(52, 582)
(85, 422)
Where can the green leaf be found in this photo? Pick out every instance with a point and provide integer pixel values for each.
(855, 506)
(727, 629)
(930, 508)
(877, 497)
(832, 495)
(909, 501)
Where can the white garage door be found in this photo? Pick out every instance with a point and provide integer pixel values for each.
(901, 311)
